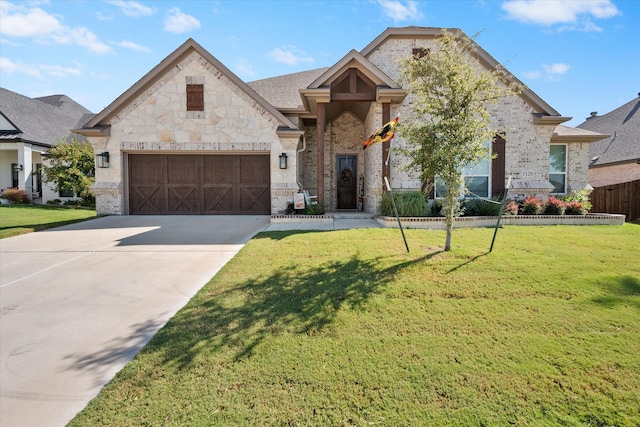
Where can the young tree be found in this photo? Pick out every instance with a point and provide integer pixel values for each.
(450, 121)
(71, 166)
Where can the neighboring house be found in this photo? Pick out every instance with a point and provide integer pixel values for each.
(28, 129)
(191, 137)
(615, 159)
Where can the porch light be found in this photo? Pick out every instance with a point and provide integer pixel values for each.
(18, 167)
(283, 161)
(102, 159)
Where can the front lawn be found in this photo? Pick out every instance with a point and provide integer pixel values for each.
(21, 219)
(346, 328)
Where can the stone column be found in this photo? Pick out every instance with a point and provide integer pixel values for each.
(25, 159)
(320, 155)
(386, 146)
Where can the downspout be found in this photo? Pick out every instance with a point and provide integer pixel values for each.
(298, 168)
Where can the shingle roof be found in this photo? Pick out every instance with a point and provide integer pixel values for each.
(42, 120)
(623, 124)
(282, 91)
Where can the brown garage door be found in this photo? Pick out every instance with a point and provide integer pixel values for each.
(173, 184)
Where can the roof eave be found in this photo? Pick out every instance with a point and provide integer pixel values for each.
(98, 131)
(555, 120)
(176, 56)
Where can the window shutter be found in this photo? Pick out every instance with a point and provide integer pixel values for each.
(195, 97)
(420, 52)
(498, 166)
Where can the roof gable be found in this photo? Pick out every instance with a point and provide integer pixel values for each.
(36, 121)
(353, 59)
(483, 57)
(120, 103)
(623, 127)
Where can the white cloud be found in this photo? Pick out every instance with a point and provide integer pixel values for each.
(80, 36)
(244, 69)
(289, 55)
(532, 75)
(10, 67)
(133, 46)
(399, 11)
(559, 11)
(133, 8)
(549, 72)
(37, 70)
(557, 69)
(178, 22)
(21, 21)
(60, 71)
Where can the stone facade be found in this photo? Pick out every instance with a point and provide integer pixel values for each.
(237, 120)
(156, 121)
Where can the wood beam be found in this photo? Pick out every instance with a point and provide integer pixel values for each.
(386, 146)
(320, 154)
(339, 96)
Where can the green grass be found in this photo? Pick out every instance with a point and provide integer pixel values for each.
(346, 328)
(22, 219)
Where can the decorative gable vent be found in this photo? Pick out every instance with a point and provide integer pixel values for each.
(195, 97)
(420, 52)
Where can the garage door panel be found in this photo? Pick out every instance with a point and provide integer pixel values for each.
(219, 199)
(254, 198)
(183, 199)
(147, 169)
(184, 169)
(147, 199)
(219, 169)
(252, 170)
(199, 184)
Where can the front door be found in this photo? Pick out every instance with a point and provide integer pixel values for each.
(347, 182)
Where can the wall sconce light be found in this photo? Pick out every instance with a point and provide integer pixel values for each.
(17, 167)
(102, 159)
(283, 161)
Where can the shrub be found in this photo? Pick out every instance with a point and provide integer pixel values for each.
(575, 208)
(436, 208)
(73, 202)
(581, 196)
(15, 195)
(553, 206)
(511, 208)
(480, 207)
(314, 209)
(409, 204)
(88, 201)
(531, 206)
(54, 202)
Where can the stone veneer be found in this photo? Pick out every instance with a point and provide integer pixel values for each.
(156, 121)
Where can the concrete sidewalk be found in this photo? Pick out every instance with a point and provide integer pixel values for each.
(78, 302)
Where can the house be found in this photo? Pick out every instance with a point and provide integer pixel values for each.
(28, 129)
(615, 159)
(190, 137)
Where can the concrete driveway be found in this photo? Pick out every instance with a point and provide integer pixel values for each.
(78, 302)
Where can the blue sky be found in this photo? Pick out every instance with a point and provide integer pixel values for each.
(578, 55)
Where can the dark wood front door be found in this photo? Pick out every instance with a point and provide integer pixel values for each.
(347, 182)
(179, 184)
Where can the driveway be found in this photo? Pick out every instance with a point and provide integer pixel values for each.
(78, 302)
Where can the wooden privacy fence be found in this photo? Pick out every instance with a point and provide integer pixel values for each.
(618, 198)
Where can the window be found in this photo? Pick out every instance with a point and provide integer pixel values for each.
(477, 179)
(420, 52)
(558, 168)
(195, 97)
(14, 175)
(64, 192)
